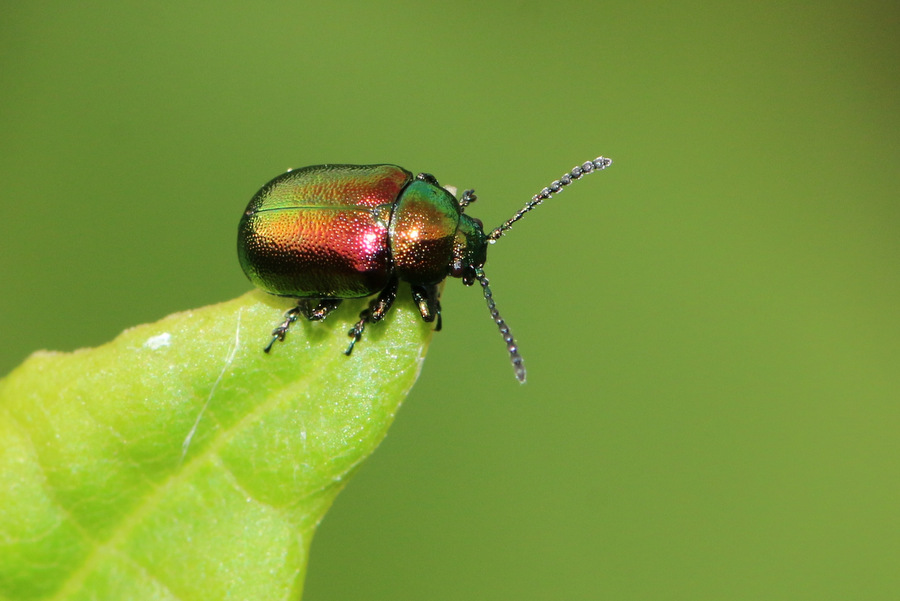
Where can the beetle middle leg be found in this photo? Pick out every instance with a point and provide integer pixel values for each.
(303, 307)
(375, 313)
(427, 299)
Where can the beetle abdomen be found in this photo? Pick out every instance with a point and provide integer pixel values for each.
(322, 231)
(317, 252)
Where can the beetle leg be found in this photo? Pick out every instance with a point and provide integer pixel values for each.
(427, 298)
(289, 318)
(435, 294)
(466, 199)
(304, 307)
(321, 310)
(375, 313)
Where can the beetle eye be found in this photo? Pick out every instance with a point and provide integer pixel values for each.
(479, 223)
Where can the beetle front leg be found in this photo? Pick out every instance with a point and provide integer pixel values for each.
(375, 313)
(427, 299)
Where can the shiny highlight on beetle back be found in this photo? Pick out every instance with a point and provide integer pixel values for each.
(345, 251)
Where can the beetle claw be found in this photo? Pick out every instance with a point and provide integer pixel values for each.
(356, 333)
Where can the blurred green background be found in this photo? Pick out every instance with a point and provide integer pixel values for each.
(711, 326)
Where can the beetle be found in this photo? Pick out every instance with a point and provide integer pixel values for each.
(325, 233)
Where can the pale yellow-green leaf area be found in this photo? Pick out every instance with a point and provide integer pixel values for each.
(180, 461)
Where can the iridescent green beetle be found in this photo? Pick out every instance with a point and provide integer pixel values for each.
(324, 233)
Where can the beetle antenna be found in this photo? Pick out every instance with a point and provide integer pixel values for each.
(555, 187)
(517, 362)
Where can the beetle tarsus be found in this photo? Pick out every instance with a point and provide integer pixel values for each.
(305, 308)
(374, 313)
(356, 331)
(279, 332)
(428, 301)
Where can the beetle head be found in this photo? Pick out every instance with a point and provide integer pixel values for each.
(469, 249)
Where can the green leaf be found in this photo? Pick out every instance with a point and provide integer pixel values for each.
(179, 461)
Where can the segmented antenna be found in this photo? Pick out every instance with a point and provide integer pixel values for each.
(515, 358)
(554, 188)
